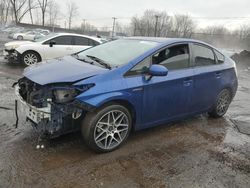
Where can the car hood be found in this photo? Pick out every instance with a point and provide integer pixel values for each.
(16, 44)
(66, 69)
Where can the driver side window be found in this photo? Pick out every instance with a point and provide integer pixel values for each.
(173, 58)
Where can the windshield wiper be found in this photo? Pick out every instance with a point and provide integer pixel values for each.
(100, 61)
(82, 59)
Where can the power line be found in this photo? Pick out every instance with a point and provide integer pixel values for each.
(220, 18)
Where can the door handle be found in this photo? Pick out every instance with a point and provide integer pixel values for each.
(218, 74)
(187, 82)
(69, 48)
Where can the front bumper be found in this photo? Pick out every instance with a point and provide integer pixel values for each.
(11, 55)
(32, 113)
(53, 120)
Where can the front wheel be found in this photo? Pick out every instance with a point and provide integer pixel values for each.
(223, 101)
(30, 58)
(107, 128)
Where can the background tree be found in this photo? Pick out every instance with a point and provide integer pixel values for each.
(19, 8)
(53, 13)
(72, 12)
(43, 6)
(4, 11)
(32, 5)
(183, 26)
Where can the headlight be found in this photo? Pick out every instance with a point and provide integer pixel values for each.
(64, 95)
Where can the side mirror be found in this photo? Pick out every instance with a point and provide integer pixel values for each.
(51, 43)
(157, 70)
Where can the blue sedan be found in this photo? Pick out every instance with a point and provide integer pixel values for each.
(128, 84)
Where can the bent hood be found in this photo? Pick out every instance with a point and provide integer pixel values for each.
(15, 44)
(66, 69)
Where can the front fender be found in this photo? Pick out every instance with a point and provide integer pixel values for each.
(23, 48)
(99, 100)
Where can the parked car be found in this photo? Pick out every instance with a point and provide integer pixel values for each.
(20, 30)
(43, 31)
(49, 47)
(133, 83)
(30, 35)
(10, 30)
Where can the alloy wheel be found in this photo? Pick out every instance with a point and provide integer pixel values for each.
(111, 129)
(223, 102)
(30, 59)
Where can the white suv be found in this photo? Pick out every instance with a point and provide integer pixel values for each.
(51, 46)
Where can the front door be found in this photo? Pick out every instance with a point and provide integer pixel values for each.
(62, 47)
(168, 97)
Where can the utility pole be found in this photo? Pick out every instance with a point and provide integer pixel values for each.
(84, 25)
(156, 23)
(113, 30)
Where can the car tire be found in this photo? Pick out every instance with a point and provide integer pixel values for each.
(30, 58)
(107, 128)
(222, 103)
(19, 37)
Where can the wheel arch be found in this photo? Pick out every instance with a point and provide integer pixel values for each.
(125, 104)
(34, 51)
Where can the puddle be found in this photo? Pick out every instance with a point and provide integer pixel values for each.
(242, 123)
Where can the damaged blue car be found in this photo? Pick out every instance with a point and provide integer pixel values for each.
(128, 84)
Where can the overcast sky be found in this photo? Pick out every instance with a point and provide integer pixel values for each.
(100, 12)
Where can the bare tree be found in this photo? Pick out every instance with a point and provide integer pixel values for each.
(4, 11)
(43, 6)
(216, 30)
(183, 26)
(20, 8)
(72, 11)
(53, 13)
(243, 31)
(31, 5)
(148, 25)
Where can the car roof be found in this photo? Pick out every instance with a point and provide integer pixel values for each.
(166, 41)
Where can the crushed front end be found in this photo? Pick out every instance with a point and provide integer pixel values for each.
(51, 109)
(11, 55)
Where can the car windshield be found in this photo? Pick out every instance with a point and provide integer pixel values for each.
(45, 37)
(118, 52)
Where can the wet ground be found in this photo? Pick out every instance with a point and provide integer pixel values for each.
(198, 152)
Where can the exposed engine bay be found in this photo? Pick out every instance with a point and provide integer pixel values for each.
(51, 109)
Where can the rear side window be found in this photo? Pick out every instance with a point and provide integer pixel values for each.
(173, 58)
(61, 40)
(93, 43)
(81, 41)
(220, 57)
(203, 56)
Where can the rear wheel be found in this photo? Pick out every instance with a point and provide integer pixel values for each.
(223, 101)
(30, 58)
(106, 129)
(19, 37)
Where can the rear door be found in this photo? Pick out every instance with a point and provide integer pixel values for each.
(207, 77)
(63, 46)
